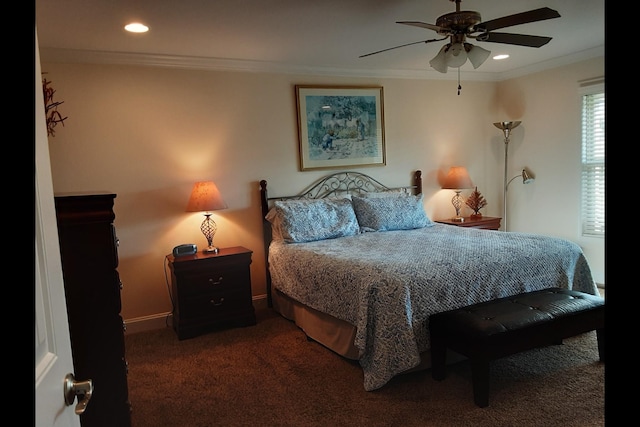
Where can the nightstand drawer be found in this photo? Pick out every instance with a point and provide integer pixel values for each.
(217, 280)
(214, 304)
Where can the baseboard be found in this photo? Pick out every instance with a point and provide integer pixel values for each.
(149, 323)
(165, 320)
(260, 302)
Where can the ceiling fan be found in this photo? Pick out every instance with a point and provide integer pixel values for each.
(461, 24)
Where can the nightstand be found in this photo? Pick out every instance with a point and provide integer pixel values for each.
(485, 222)
(211, 291)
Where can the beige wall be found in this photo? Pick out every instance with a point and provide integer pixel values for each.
(149, 133)
(549, 143)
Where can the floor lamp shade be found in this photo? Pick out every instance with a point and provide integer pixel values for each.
(457, 179)
(205, 197)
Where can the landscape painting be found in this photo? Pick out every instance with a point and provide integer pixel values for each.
(340, 127)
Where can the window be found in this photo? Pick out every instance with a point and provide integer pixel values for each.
(593, 159)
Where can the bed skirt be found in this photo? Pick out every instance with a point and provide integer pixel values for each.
(333, 333)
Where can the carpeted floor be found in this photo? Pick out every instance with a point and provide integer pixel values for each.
(271, 375)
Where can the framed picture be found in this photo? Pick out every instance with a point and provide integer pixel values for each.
(340, 127)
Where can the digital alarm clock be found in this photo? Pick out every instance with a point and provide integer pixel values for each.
(186, 249)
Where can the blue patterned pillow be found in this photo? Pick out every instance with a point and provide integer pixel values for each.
(297, 221)
(390, 213)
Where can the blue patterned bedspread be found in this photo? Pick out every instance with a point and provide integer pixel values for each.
(387, 284)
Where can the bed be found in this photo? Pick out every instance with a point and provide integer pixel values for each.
(360, 267)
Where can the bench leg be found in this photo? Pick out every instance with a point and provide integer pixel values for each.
(480, 377)
(438, 358)
(600, 335)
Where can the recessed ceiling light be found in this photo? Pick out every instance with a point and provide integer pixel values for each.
(136, 27)
(499, 57)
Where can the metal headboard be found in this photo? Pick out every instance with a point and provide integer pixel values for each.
(336, 184)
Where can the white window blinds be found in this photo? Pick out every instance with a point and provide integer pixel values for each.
(593, 160)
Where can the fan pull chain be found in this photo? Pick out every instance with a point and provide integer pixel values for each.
(459, 86)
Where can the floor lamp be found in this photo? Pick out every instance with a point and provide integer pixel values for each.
(527, 178)
(506, 128)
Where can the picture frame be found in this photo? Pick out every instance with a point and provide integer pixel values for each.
(340, 126)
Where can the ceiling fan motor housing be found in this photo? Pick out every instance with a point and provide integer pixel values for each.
(458, 22)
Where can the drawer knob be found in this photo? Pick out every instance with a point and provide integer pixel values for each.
(216, 282)
(214, 302)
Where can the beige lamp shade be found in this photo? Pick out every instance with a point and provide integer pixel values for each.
(205, 197)
(457, 178)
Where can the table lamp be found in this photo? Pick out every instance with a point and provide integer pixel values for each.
(457, 179)
(205, 197)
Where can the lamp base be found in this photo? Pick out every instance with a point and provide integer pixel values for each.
(457, 219)
(211, 250)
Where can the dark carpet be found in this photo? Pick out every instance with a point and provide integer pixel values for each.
(271, 375)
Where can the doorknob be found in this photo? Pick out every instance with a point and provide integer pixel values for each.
(73, 388)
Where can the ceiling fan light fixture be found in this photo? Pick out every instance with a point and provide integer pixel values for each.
(476, 54)
(439, 62)
(456, 55)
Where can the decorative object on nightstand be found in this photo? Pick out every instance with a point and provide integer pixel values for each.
(211, 291)
(205, 197)
(476, 201)
(457, 179)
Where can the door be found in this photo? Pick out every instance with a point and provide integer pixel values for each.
(53, 359)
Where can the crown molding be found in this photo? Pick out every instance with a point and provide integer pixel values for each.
(220, 64)
(553, 63)
(54, 55)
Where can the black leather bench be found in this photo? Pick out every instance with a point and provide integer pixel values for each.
(505, 326)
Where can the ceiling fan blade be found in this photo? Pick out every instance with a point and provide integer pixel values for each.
(517, 39)
(519, 18)
(422, 25)
(403, 45)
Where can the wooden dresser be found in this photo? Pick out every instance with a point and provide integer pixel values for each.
(89, 252)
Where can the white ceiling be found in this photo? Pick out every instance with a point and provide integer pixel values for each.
(323, 36)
